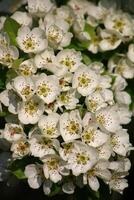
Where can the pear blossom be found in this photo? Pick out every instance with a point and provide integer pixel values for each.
(99, 170)
(54, 167)
(121, 23)
(2, 21)
(49, 125)
(109, 40)
(39, 7)
(41, 146)
(47, 87)
(57, 32)
(31, 41)
(4, 40)
(84, 80)
(23, 18)
(8, 55)
(34, 174)
(105, 151)
(108, 119)
(130, 53)
(69, 59)
(24, 86)
(20, 148)
(30, 111)
(27, 68)
(67, 99)
(82, 159)
(70, 125)
(93, 136)
(11, 100)
(120, 142)
(13, 132)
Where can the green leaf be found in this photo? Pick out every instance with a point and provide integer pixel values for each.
(11, 28)
(17, 63)
(3, 114)
(19, 174)
(90, 30)
(10, 75)
(86, 59)
(56, 189)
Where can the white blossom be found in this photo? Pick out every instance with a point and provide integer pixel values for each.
(31, 41)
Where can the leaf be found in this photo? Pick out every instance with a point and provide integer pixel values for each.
(11, 28)
(19, 174)
(3, 114)
(86, 59)
(56, 189)
(10, 75)
(90, 30)
(17, 63)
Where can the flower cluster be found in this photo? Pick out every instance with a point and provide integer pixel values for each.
(66, 103)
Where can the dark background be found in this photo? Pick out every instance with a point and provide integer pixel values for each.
(21, 190)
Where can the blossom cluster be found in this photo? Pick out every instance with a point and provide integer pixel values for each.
(66, 106)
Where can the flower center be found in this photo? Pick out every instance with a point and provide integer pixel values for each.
(88, 136)
(29, 43)
(100, 119)
(31, 107)
(26, 91)
(43, 90)
(73, 127)
(82, 158)
(53, 164)
(68, 62)
(83, 80)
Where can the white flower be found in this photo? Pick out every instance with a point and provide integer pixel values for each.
(93, 136)
(124, 114)
(121, 165)
(46, 60)
(120, 22)
(67, 99)
(24, 86)
(57, 33)
(8, 55)
(118, 184)
(27, 68)
(95, 101)
(10, 100)
(39, 7)
(94, 44)
(66, 13)
(99, 170)
(67, 149)
(130, 53)
(47, 87)
(85, 80)
(108, 119)
(20, 148)
(13, 132)
(82, 159)
(2, 21)
(68, 187)
(30, 111)
(122, 98)
(105, 151)
(70, 125)
(79, 7)
(120, 142)
(22, 18)
(49, 125)
(41, 146)
(34, 173)
(4, 40)
(69, 59)
(109, 40)
(54, 168)
(65, 82)
(31, 41)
